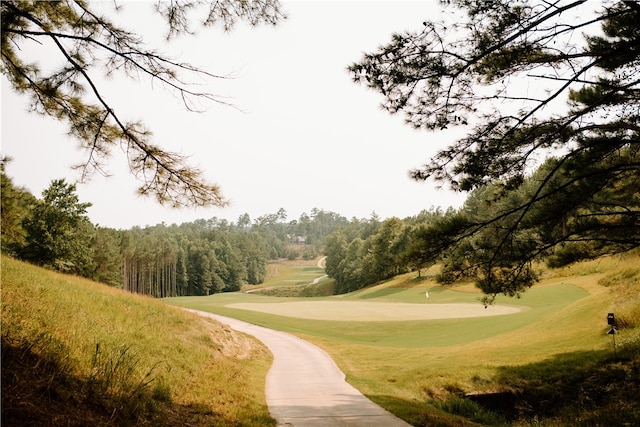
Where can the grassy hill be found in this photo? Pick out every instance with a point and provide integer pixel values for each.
(79, 353)
(551, 364)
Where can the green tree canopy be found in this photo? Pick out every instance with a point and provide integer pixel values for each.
(88, 43)
(524, 80)
(15, 207)
(58, 232)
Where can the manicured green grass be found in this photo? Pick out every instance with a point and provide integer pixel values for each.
(75, 352)
(426, 333)
(413, 368)
(291, 273)
(293, 278)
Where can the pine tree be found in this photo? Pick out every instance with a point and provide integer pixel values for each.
(481, 71)
(88, 43)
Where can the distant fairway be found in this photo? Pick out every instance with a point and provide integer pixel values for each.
(375, 311)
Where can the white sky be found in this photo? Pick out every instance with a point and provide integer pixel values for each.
(306, 136)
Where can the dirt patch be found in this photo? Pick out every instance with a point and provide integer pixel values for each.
(229, 342)
(376, 311)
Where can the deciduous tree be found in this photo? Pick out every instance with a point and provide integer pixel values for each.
(58, 230)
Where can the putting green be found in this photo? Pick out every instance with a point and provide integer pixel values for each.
(376, 311)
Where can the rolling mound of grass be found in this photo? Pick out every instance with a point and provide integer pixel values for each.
(79, 353)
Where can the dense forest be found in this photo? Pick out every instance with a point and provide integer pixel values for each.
(205, 256)
(196, 258)
(463, 241)
(210, 256)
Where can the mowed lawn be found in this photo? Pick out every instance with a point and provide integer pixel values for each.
(390, 302)
(290, 273)
(404, 365)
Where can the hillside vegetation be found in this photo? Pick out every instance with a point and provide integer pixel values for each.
(77, 353)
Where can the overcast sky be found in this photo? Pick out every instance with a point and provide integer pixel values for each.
(304, 135)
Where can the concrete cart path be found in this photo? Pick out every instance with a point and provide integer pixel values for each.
(305, 387)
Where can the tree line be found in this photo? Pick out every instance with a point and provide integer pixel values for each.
(210, 256)
(196, 258)
(487, 240)
(364, 252)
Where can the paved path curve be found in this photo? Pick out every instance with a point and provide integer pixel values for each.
(305, 387)
(320, 264)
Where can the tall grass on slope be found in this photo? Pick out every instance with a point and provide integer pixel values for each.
(75, 352)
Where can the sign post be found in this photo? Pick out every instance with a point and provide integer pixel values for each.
(611, 321)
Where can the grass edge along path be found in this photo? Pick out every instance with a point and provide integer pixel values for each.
(75, 352)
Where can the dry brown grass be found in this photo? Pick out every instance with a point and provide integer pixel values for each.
(78, 353)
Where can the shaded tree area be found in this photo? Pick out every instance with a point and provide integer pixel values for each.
(196, 258)
(364, 252)
(55, 232)
(548, 97)
(210, 256)
(473, 238)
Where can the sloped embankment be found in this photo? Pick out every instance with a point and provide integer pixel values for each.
(75, 352)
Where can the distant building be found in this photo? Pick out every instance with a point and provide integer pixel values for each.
(297, 239)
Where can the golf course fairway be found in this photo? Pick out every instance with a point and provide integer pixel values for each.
(376, 311)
